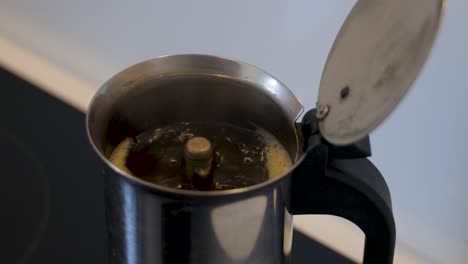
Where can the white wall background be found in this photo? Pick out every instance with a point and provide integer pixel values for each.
(421, 149)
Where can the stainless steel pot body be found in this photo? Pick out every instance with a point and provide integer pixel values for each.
(148, 223)
(152, 224)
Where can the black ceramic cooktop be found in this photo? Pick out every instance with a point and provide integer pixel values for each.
(51, 201)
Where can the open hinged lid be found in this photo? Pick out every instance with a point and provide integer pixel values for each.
(378, 53)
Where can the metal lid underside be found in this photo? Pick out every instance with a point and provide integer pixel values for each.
(377, 55)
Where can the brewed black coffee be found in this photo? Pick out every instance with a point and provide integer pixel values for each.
(240, 156)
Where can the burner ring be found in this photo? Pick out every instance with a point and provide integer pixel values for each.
(24, 199)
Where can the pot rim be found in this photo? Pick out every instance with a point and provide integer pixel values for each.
(159, 188)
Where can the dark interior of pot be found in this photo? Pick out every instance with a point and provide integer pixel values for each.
(188, 98)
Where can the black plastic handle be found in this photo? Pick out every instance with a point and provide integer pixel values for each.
(350, 188)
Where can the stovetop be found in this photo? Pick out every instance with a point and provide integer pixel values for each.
(51, 200)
